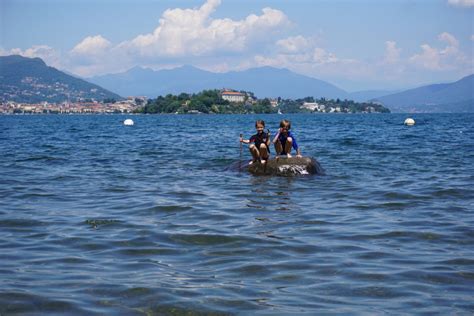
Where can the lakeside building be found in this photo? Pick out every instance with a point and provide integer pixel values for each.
(314, 106)
(233, 96)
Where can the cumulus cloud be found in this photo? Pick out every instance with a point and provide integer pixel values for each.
(429, 58)
(392, 53)
(192, 32)
(462, 3)
(223, 44)
(450, 39)
(300, 49)
(180, 33)
(48, 54)
(92, 45)
(446, 58)
(304, 55)
(293, 45)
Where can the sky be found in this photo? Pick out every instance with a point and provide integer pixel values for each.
(356, 45)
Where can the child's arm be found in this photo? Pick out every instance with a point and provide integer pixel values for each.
(245, 141)
(298, 153)
(296, 147)
(276, 136)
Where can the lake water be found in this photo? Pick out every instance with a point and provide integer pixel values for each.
(101, 218)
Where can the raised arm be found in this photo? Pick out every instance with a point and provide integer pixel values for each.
(276, 136)
(268, 138)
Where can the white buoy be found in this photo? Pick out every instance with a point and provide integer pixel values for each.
(409, 121)
(128, 122)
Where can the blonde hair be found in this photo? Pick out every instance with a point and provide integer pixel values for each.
(286, 124)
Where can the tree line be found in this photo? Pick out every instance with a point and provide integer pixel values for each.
(211, 102)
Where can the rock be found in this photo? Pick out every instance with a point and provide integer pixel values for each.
(287, 167)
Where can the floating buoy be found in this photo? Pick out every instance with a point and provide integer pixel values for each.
(128, 122)
(409, 121)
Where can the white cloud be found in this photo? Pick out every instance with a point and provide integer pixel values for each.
(181, 33)
(320, 56)
(462, 3)
(303, 55)
(303, 50)
(192, 32)
(48, 54)
(451, 40)
(429, 58)
(293, 44)
(193, 36)
(92, 45)
(392, 53)
(447, 58)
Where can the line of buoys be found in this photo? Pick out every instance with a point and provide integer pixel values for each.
(409, 121)
(128, 122)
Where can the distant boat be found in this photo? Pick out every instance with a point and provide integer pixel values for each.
(279, 112)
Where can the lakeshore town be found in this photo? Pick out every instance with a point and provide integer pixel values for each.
(133, 104)
(90, 107)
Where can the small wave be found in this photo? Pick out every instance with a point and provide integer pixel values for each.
(41, 158)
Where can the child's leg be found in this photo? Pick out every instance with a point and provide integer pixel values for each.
(278, 147)
(263, 152)
(288, 144)
(254, 151)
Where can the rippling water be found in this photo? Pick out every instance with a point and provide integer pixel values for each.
(101, 218)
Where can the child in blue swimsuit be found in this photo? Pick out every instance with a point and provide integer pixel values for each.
(285, 140)
(259, 143)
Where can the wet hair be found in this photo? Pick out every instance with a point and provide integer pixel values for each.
(261, 122)
(285, 123)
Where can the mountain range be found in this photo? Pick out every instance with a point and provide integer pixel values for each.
(273, 82)
(30, 80)
(448, 97)
(263, 82)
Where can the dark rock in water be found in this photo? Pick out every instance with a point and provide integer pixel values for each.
(287, 167)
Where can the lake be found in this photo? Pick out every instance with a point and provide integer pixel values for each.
(152, 219)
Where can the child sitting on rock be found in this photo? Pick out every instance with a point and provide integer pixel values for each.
(284, 140)
(259, 143)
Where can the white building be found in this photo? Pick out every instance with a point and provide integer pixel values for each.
(310, 105)
(233, 96)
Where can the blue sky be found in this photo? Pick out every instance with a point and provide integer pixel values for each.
(357, 45)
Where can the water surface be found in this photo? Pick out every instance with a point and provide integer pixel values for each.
(101, 218)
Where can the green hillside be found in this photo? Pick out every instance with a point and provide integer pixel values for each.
(30, 80)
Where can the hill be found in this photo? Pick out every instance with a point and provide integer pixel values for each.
(264, 82)
(30, 80)
(448, 97)
(366, 95)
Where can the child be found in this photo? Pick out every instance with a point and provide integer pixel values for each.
(260, 149)
(284, 140)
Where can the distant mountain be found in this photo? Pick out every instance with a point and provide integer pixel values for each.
(30, 80)
(448, 97)
(264, 82)
(363, 96)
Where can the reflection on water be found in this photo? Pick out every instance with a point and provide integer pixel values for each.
(270, 194)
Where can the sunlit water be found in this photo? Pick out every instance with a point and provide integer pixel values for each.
(101, 218)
